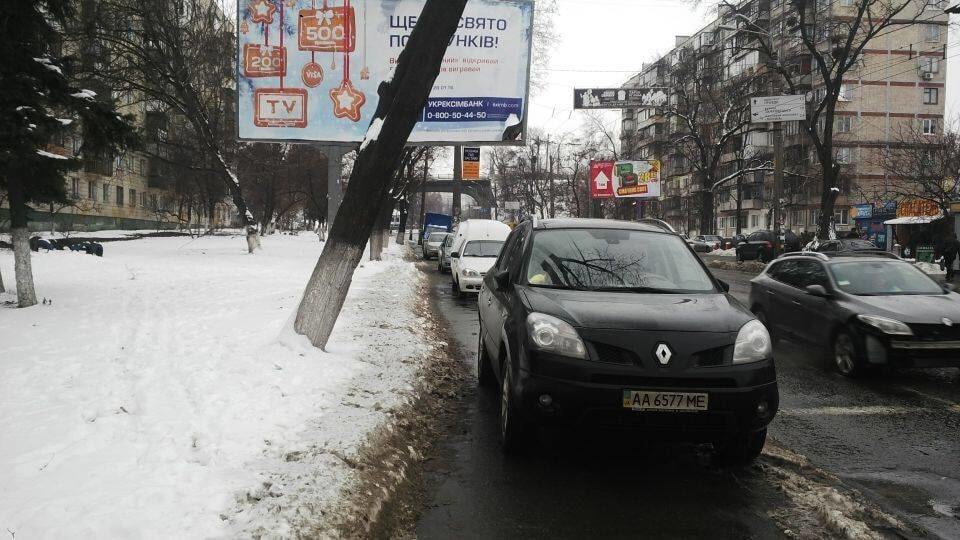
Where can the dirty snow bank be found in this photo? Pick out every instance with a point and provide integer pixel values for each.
(163, 393)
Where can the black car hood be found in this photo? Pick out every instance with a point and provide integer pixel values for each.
(921, 309)
(639, 311)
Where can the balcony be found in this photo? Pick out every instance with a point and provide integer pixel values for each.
(730, 205)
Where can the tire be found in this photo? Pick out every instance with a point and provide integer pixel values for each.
(845, 356)
(513, 430)
(760, 257)
(762, 317)
(455, 287)
(739, 256)
(742, 449)
(485, 376)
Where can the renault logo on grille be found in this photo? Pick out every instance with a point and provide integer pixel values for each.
(946, 321)
(663, 354)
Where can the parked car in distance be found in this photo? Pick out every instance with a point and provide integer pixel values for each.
(758, 245)
(432, 242)
(443, 259)
(700, 246)
(713, 240)
(615, 324)
(866, 309)
(847, 245)
(467, 267)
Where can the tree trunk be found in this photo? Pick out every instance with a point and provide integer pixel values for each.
(23, 272)
(2, 289)
(828, 198)
(401, 102)
(402, 229)
(376, 239)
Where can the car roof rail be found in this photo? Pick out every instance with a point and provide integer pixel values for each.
(868, 253)
(658, 223)
(817, 254)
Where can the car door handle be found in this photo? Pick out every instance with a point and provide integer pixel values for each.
(771, 293)
(798, 304)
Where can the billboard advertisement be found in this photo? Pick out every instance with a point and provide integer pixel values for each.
(471, 163)
(637, 179)
(619, 98)
(309, 70)
(601, 179)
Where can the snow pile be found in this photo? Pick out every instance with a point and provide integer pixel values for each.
(930, 268)
(164, 393)
(732, 252)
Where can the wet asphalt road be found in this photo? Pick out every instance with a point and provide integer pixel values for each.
(894, 436)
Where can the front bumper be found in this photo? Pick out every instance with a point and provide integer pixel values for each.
(588, 394)
(904, 352)
(470, 284)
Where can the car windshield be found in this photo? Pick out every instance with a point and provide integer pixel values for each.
(482, 248)
(882, 278)
(615, 259)
(858, 244)
(710, 238)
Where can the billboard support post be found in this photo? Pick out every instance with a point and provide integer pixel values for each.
(457, 178)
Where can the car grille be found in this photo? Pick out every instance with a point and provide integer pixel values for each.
(613, 355)
(710, 357)
(664, 382)
(936, 332)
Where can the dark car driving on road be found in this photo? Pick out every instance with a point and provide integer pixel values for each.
(620, 325)
(867, 310)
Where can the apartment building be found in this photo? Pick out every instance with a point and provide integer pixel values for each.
(898, 83)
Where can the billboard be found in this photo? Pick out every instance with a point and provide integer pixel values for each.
(637, 179)
(309, 70)
(619, 98)
(601, 179)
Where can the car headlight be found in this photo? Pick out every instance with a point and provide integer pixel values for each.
(553, 335)
(885, 325)
(753, 343)
(467, 272)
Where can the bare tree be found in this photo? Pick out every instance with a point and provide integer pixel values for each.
(923, 166)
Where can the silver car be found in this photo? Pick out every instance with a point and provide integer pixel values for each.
(443, 259)
(432, 243)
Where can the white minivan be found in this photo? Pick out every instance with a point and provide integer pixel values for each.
(476, 245)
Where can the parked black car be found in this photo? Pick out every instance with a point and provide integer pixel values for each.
(867, 310)
(760, 245)
(620, 325)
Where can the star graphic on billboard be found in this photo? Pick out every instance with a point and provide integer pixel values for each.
(347, 101)
(262, 11)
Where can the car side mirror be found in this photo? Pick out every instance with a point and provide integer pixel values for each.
(455, 255)
(502, 279)
(724, 286)
(817, 290)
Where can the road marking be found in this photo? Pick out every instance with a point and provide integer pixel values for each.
(955, 407)
(852, 411)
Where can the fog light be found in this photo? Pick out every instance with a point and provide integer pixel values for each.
(546, 400)
(762, 408)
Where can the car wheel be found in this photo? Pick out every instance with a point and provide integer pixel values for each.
(485, 377)
(454, 286)
(760, 257)
(513, 432)
(762, 317)
(739, 256)
(846, 358)
(742, 449)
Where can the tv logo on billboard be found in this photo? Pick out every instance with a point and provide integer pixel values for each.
(264, 60)
(327, 30)
(280, 107)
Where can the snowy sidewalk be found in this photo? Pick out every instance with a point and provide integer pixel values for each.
(163, 393)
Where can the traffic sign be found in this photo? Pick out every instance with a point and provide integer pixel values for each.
(471, 163)
(778, 108)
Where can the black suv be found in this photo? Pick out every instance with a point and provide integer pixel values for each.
(867, 309)
(615, 324)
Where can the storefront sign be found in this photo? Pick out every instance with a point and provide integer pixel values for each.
(601, 179)
(861, 211)
(309, 71)
(637, 179)
(917, 208)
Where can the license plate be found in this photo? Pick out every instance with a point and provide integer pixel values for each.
(643, 400)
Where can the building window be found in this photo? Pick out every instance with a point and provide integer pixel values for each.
(119, 195)
(754, 221)
(106, 193)
(75, 188)
(153, 201)
(928, 126)
(843, 156)
(931, 32)
(92, 191)
(143, 199)
(931, 96)
(840, 218)
(133, 197)
(791, 128)
(846, 3)
(930, 64)
(844, 124)
(796, 217)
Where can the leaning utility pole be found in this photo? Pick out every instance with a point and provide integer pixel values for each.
(777, 181)
(457, 178)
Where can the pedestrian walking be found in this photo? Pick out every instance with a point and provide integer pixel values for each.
(951, 248)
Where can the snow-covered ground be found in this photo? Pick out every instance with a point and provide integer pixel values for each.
(163, 392)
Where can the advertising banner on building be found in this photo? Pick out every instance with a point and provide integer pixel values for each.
(471, 163)
(601, 179)
(309, 70)
(619, 98)
(637, 179)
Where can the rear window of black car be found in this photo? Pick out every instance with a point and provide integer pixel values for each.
(615, 260)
